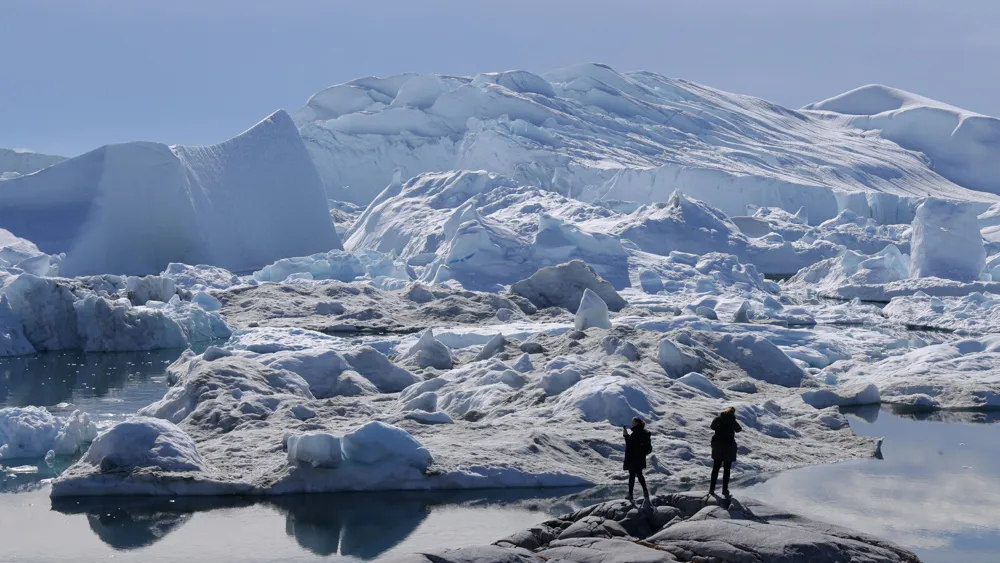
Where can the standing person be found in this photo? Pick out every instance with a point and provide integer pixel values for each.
(637, 446)
(724, 447)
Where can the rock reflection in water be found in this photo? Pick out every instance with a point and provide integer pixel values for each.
(361, 525)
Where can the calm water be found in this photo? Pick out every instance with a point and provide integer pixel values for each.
(351, 527)
(937, 491)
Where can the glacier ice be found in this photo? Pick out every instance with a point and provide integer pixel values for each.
(947, 242)
(239, 204)
(19, 163)
(960, 144)
(316, 449)
(591, 312)
(654, 134)
(33, 432)
(81, 314)
(565, 286)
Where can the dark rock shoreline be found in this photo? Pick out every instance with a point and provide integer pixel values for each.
(673, 528)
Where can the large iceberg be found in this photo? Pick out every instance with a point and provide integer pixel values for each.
(133, 208)
(594, 133)
(15, 163)
(960, 144)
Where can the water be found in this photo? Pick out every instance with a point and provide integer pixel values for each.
(299, 529)
(936, 492)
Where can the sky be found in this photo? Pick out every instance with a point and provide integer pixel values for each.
(77, 74)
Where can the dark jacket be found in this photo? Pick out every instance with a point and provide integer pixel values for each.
(724, 440)
(637, 445)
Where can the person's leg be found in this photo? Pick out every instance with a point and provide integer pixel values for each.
(631, 483)
(716, 464)
(642, 481)
(725, 477)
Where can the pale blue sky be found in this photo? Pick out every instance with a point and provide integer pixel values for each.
(77, 74)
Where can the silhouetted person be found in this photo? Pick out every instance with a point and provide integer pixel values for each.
(724, 447)
(637, 446)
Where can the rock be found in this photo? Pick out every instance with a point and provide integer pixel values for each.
(563, 286)
(593, 527)
(590, 550)
(576, 335)
(592, 312)
(504, 314)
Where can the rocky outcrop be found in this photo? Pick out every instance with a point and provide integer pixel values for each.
(679, 527)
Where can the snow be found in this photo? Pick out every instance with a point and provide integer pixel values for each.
(973, 313)
(946, 241)
(34, 433)
(136, 207)
(592, 312)
(854, 268)
(960, 144)
(330, 367)
(377, 442)
(597, 134)
(528, 263)
(955, 375)
(200, 277)
(316, 449)
(334, 265)
(843, 396)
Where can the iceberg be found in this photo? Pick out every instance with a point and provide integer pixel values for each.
(134, 208)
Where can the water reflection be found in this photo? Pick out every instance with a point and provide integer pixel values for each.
(936, 491)
(361, 525)
(51, 378)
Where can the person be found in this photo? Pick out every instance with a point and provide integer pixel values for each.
(724, 447)
(637, 446)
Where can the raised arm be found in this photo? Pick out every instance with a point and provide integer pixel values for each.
(736, 426)
(715, 422)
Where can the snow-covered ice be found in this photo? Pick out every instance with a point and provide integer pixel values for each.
(100, 314)
(598, 134)
(34, 432)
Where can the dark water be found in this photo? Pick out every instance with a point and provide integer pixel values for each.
(937, 490)
(109, 386)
